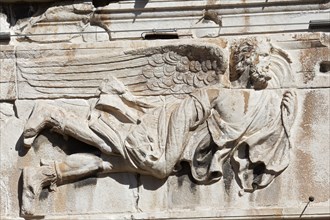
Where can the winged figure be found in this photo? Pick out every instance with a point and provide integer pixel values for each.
(160, 106)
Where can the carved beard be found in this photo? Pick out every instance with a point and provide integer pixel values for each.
(258, 80)
(245, 67)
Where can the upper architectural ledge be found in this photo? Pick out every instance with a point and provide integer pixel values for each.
(209, 2)
(98, 21)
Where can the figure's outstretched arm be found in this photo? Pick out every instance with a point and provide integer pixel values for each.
(63, 122)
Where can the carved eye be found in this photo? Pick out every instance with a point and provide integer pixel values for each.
(264, 54)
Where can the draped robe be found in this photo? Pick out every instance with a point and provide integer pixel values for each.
(204, 134)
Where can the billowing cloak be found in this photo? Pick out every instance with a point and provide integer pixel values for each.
(191, 130)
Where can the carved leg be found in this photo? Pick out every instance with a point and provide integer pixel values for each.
(63, 122)
(77, 166)
(73, 168)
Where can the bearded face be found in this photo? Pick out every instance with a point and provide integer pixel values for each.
(249, 65)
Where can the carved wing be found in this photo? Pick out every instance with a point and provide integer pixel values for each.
(179, 69)
(164, 70)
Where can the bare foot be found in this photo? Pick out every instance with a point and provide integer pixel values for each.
(34, 179)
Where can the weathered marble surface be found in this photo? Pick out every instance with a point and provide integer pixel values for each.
(33, 70)
(190, 19)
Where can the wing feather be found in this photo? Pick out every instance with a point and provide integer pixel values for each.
(165, 70)
(184, 68)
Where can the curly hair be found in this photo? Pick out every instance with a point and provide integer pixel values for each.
(243, 65)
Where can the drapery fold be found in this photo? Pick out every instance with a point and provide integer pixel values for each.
(192, 130)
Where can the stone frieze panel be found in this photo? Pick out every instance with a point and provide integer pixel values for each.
(177, 118)
(168, 105)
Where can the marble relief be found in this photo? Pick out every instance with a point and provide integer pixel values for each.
(169, 104)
